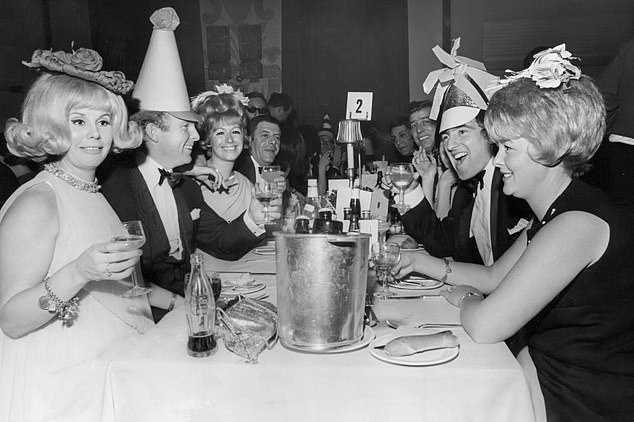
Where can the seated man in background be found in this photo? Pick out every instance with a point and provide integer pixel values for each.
(280, 107)
(172, 210)
(402, 138)
(257, 105)
(423, 128)
(264, 141)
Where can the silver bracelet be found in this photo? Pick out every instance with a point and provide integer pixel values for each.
(447, 270)
(66, 310)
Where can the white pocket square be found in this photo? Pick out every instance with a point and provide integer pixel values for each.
(521, 224)
(195, 214)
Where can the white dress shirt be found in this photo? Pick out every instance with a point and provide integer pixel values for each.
(165, 202)
(481, 217)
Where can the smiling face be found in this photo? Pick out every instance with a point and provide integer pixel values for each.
(402, 139)
(91, 139)
(172, 147)
(422, 128)
(226, 140)
(468, 148)
(520, 173)
(265, 142)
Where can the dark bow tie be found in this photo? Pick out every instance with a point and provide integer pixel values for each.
(475, 182)
(174, 179)
(260, 170)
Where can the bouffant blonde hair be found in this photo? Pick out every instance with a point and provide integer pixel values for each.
(217, 108)
(564, 125)
(44, 130)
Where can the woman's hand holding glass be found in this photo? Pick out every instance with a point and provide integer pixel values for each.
(106, 261)
(129, 236)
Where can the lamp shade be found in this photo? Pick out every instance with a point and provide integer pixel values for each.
(349, 131)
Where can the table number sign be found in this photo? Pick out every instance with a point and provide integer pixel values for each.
(359, 105)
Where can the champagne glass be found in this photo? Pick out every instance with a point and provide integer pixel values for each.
(265, 192)
(401, 175)
(130, 235)
(385, 256)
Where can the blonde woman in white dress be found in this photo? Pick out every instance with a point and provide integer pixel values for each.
(61, 308)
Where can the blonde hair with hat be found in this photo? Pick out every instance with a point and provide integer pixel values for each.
(161, 83)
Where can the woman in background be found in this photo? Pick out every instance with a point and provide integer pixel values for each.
(223, 131)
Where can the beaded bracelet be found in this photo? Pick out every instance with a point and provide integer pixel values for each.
(66, 311)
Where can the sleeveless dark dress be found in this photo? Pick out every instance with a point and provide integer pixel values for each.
(582, 343)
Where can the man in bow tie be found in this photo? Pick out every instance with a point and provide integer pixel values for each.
(482, 222)
(176, 219)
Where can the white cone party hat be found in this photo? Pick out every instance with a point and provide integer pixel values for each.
(161, 84)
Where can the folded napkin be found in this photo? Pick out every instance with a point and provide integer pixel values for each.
(411, 344)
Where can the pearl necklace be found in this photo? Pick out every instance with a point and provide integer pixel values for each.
(76, 182)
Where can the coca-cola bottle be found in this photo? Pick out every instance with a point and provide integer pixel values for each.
(200, 309)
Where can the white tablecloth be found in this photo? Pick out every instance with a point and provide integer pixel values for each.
(155, 379)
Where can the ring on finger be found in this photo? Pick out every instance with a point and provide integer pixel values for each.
(108, 273)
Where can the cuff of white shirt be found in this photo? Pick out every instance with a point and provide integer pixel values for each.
(254, 228)
(412, 198)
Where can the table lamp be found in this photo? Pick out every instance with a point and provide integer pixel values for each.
(349, 134)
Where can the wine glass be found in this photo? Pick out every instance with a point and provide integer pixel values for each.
(130, 235)
(274, 174)
(266, 192)
(385, 256)
(401, 175)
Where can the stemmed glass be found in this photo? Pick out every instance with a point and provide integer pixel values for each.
(130, 235)
(266, 192)
(401, 175)
(385, 256)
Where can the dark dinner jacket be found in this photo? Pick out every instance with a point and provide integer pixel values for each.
(450, 236)
(244, 164)
(128, 194)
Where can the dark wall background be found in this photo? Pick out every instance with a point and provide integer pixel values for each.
(331, 47)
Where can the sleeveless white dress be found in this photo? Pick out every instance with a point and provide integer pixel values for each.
(56, 373)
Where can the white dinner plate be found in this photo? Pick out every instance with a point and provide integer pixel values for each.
(429, 358)
(231, 289)
(368, 336)
(417, 283)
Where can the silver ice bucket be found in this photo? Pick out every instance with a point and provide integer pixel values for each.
(321, 286)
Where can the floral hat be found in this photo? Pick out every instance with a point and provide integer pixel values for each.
(550, 69)
(84, 64)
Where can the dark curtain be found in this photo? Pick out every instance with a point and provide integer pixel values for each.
(331, 47)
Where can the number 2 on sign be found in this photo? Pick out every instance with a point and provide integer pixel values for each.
(359, 106)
